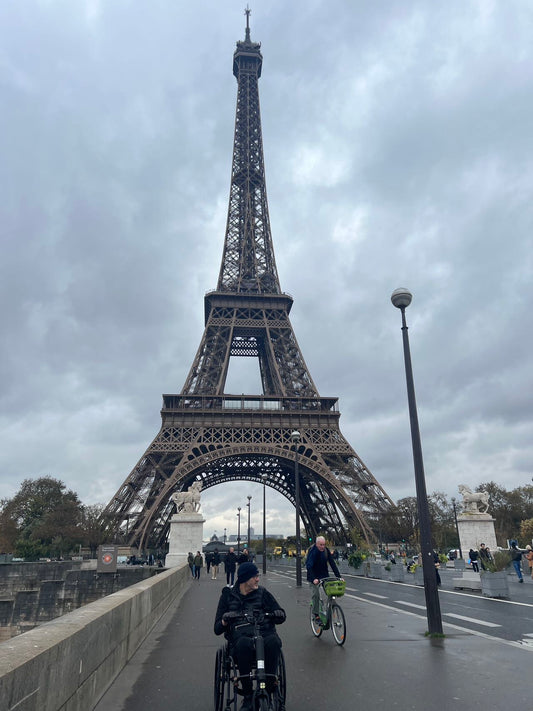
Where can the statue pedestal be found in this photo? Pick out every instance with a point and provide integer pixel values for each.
(186, 533)
(474, 529)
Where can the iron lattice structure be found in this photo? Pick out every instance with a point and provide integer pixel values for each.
(215, 437)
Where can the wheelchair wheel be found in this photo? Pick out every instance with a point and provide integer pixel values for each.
(281, 691)
(316, 627)
(220, 678)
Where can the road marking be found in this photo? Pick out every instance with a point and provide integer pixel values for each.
(380, 597)
(469, 619)
(410, 604)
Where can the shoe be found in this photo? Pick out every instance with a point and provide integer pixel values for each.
(247, 703)
(521, 580)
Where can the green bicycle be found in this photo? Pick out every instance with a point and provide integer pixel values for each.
(330, 612)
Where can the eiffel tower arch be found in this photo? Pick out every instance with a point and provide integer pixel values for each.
(209, 435)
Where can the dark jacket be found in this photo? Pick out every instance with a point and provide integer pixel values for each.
(230, 562)
(231, 600)
(215, 560)
(244, 558)
(317, 564)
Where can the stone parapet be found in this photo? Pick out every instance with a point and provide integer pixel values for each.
(68, 664)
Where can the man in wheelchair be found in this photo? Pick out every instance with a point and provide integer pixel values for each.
(247, 596)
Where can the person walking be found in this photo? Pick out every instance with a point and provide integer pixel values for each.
(208, 559)
(230, 564)
(474, 555)
(516, 558)
(529, 557)
(484, 556)
(198, 565)
(215, 562)
(190, 561)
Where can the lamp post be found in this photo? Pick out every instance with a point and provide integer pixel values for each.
(456, 526)
(224, 536)
(401, 298)
(295, 437)
(249, 508)
(264, 478)
(238, 530)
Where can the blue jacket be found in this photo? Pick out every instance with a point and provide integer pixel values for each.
(317, 564)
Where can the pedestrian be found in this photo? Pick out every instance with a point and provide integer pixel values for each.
(516, 558)
(215, 562)
(208, 559)
(198, 565)
(484, 556)
(230, 564)
(529, 557)
(474, 555)
(190, 561)
(244, 557)
(436, 561)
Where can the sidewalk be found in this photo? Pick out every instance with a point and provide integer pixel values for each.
(386, 663)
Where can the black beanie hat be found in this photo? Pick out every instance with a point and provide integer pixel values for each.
(246, 571)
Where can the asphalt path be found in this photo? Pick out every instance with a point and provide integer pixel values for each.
(386, 663)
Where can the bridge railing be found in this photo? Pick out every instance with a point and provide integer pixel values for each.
(69, 663)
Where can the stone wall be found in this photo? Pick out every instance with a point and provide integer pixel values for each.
(68, 664)
(33, 593)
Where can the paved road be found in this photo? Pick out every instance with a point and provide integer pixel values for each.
(386, 663)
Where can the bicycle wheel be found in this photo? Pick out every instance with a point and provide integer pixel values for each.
(338, 623)
(316, 627)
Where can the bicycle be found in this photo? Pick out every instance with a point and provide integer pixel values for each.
(227, 677)
(330, 612)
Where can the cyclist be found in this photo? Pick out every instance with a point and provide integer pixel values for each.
(318, 558)
(246, 596)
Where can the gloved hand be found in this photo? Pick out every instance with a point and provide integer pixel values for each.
(279, 616)
(230, 616)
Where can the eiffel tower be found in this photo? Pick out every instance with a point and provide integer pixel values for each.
(215, 437)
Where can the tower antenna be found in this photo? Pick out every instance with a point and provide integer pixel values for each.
(247, 12)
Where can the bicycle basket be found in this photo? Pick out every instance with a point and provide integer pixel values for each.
(334, 588)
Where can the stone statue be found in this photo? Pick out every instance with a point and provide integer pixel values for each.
(474, 502)
(188, 501)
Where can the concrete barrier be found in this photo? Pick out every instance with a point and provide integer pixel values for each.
(68, 664)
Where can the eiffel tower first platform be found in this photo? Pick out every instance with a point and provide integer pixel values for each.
(215, 437)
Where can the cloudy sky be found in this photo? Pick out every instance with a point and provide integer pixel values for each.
(398, 152)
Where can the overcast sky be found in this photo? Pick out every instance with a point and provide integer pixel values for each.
(398, 152)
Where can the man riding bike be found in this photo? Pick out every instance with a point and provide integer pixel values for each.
(318, 558)
(246, 596)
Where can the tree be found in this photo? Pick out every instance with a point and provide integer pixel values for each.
(42, 519)
(93, 527)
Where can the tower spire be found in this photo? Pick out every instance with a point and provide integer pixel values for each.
(247, 12)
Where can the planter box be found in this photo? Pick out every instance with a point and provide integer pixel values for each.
(419, 575)
(495, 584)
(375, 571)
(397, 573)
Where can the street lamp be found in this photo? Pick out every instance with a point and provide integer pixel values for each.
(224, 536)
(238, 530)
(264, 477)
(456, 526)
(401, 298)
(249, 508)
(295, 437)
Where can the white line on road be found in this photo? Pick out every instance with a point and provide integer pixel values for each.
(410, 604)
(380, 597)
(470, 619)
